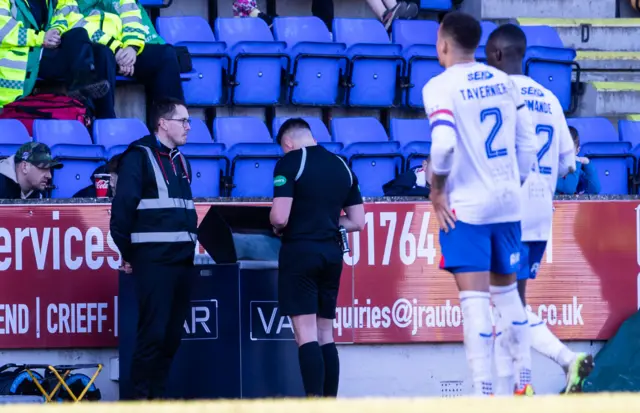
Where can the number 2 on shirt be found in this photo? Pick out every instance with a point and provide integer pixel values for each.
(497, 116)
(548, 129)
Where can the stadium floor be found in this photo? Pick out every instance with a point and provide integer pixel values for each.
(593, 403)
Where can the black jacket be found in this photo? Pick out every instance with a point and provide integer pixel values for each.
(154, 222)
(9, 187)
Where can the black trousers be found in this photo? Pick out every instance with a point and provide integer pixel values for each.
(163, 294)
(76, 58)
(157, 68)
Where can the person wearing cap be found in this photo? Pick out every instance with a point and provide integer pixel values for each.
(27, 174)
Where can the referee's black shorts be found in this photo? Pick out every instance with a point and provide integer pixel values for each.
(309, 278)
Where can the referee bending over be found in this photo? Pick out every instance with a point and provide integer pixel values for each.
(311, 188)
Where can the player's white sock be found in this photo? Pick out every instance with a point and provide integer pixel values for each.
(502, 355)
(478, 339)
(547, 344)
(509, 305)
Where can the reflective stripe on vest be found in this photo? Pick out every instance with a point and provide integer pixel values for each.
(163, 201)
(182, 236)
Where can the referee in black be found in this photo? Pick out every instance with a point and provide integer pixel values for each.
(312, 187)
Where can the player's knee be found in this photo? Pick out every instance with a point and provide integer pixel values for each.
(305, 328)
(325, 331)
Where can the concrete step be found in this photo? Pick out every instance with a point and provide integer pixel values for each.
(599, 66)
(601, 34)
(609, 99)
(508, 9)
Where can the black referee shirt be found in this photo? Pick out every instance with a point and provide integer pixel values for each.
(321, 185)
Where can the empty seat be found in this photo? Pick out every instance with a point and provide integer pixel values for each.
(318, 130)
(115, 135)
(414, 136)
(319, 65)
(436, 5)
(374, 159)
(376, 63)
(252, 153)
(205, 85)
(208, 163)
(14, 134)
(549, 63)
(257, 60)
(70, 143)
(487, 28)
(611, 158)
(418, 40)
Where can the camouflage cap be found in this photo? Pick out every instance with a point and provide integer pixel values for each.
(37, 154)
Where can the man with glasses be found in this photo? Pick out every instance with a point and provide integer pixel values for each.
(153, 223)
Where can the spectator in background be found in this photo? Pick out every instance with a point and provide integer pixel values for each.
(124, 27)
(37, 40)
(249, 8)
(110, 168)
(585, 178)
(26, 175)
(390, 10)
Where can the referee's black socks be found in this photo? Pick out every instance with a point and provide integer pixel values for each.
(331, 369)
(312, 368)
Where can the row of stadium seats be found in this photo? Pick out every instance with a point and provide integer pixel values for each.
(242, 62)
(243, 148)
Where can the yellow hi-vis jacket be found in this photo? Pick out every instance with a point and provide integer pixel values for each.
(21, 43)
(114, 23)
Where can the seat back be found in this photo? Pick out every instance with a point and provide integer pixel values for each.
(233, 30)
(14, 134)
(300, 29)
(549, 63)
(118, 132)
(357, 129)
(318, 128)
(184, 29)
(252, 153)
(353, 31)
(594, 129)
(410, 32)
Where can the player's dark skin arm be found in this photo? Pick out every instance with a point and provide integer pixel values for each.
(438, 182)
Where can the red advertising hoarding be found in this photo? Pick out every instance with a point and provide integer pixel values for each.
(58, 278)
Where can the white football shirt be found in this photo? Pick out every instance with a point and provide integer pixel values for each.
(482, 138)
(554, 148)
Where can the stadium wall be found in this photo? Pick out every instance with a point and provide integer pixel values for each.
(398, 320)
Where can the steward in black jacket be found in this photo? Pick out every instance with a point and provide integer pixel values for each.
(154, 223)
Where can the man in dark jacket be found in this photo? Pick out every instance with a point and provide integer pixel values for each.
(27, 174)
(154, 224)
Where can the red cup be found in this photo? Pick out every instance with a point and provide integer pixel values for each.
(102, 184)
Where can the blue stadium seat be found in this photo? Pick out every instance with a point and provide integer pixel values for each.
(319, 65)
(418, 39)
(414, 136)
(115, 135)
(318, 129)
(374, 159)
(155, 3)
(205, 85)
(70, 143)
(436, 5)
(208, 163)
(611, 158)
(14, 134)
(549, 63)
(376, 63)
(252, 152)
(487, 28)
(257, 60)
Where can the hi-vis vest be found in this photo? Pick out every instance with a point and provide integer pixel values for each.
(21, 43)
(116, 23)
(163, 204)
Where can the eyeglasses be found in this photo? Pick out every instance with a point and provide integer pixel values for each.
(185, 122)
